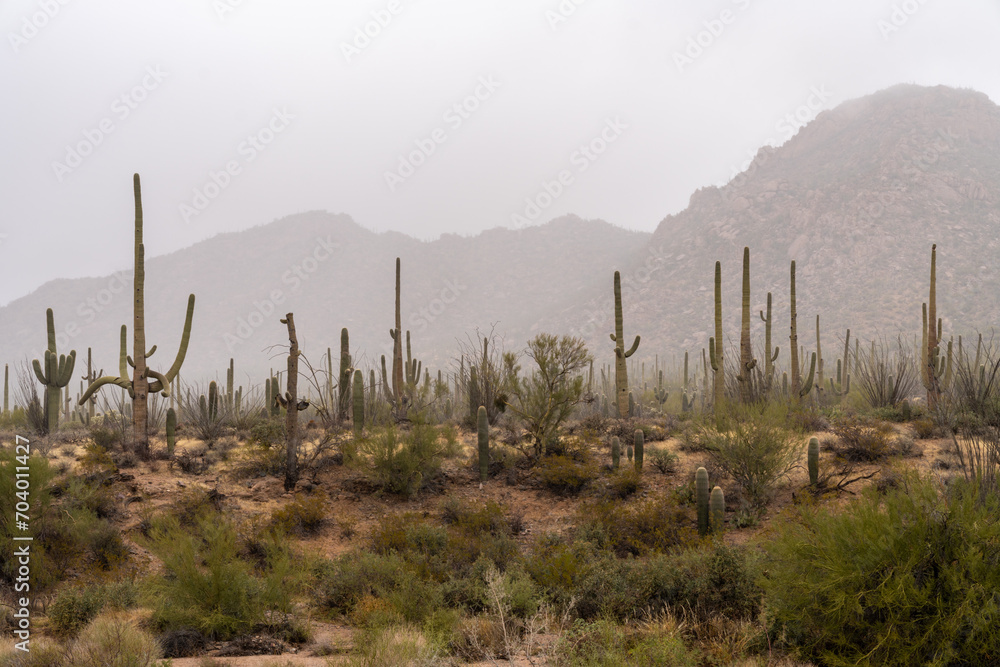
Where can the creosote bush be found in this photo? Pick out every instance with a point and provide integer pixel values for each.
(302, 516)
(863, 438)
(402, 463)
(566, 475)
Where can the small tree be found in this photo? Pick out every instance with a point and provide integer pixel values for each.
(546, 398)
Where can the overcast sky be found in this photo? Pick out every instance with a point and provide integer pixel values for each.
(422, 116)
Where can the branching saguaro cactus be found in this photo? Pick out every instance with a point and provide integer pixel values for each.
(397, 355)
(290, 401)
(57, 373)
(621, 354)
(747, 362)
(932, 366)
(140, 386)
(770, 356)
(715, 345)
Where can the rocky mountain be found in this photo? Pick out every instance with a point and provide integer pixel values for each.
(856, 198)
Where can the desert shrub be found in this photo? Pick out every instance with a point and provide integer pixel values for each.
(112, 640)
(662, 459)
(104, 436)
(757, 452)
(566, 475)
(649, 525)
(694, 437)
(624, 483)
(73, 608)
(863, 438)
(558, 565)
(303, 515)
(399, 464)
(43, 653)
(604, 643)
(924, 428)
(207, 585)
(395, 645)
(907, 578)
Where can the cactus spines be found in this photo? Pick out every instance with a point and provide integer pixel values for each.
(747, 362)
(715, 344)
(717, 510)
(638, 439)
(793, 342)
(616, 452)
(359, 403)
(483, 429)
(813, 461)
(702, 498)
(621, 354)
(140, 386)
(171, 430)
(57, 373)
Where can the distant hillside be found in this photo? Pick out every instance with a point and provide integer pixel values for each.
(856, 198)
(331, 273)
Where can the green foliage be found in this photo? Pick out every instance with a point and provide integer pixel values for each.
(757, 451)
(206, 583)
(924, 428)
(624, 483)
(647, 526)
(566, 475)
(402, 464)
(112, 640)
(604, 643)
(302, 516)
(905, 579)
(47, 525)
(73, 608)
(863, 438)
(663, 460)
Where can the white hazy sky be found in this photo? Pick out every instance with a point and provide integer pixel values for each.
(307, 112)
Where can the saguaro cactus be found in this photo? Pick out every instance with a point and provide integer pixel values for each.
(397, 354)
(747, 362)
(715, 345)
(140, 386)
(932, 366)
(171, 430)
(616, 452)
(701, 497)
(770, 356)
(813, 461)
(359, 404)
(344, 381)
(621, 354)
(57, 374)
(639, 439)
(717, 510)
(793, 342)
(292, 405)
(483, 428)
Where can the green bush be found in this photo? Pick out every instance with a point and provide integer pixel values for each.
(402, 465)
(623, 483)
(113, 641)
(603, 643)
(924, 428)
(757, 452)
(73, 608)
(304, 515)
(863, 438)
(207, 585)
(43, 653)
(52, 541)
(909, 578)
(566, 475)
(638, 528)
(662, 459)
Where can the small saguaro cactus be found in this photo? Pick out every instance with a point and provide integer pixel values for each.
(628, 452)
(171, 431)
(616, 452)
(57, 374)
(717, 510)
(638, 439)
(483, 427)
(702, 498)
(621, 354)
(813, 461)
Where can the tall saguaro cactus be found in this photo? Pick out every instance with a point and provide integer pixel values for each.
(292, 405)
(793, 342)
(931, 360)
(747, 362)
(715, 345)
(621, 354)
(344, 382)
(770, 356)
(397, 354)
(140, 386)
(57, 374)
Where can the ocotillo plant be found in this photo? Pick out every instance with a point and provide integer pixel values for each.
(344, 382)
(140, 386)
(770, 356)
(747, 362)
(483, 431)
(715, 345)
(702, 499)
(621, 354)
(57, 374)
(359, 404)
